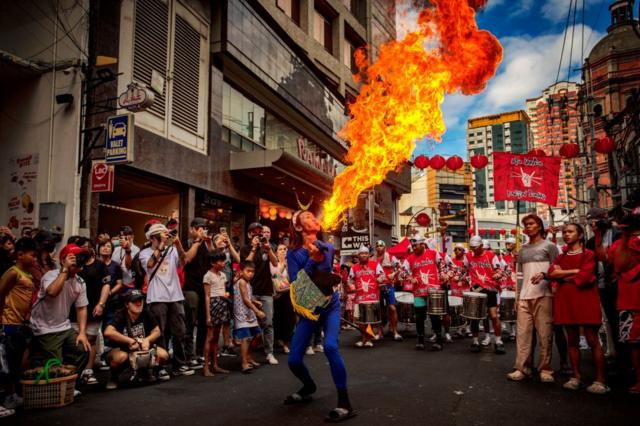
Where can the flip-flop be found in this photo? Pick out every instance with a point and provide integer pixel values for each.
(247, 370)
(296, 398)
(339, 415)
(254, 364)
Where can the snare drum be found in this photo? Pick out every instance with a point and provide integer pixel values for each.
(368, 313)
(455, 311)
(474, 305)
(436, 304)
(405, 307)
(508, 306)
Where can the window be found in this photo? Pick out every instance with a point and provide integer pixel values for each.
(347, 56)
(322, 31)
(164, 45)
(242, 117)
(291, 8)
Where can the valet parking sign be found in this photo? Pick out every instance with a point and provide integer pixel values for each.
(120, 141)
(526, 178)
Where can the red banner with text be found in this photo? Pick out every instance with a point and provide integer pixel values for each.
(521, 177)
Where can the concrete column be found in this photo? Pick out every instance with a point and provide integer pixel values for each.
(306, 16)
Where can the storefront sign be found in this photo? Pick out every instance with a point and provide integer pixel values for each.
(22, 191)
(321, 161)
(102, 177)
(136, 98)
(119, 143)
(351, 237)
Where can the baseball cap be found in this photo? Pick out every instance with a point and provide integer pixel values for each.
(510, 240)
(198, 222)
(485, 244)
(458, 246)
(418, 239)
(363, 249)
(155, 229)
(381, 243)
(150, 222)
(475, 241)
(134, 295)
(596, 213)
(255, 225)
(71, 249)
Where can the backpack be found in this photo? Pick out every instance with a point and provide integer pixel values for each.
(137, 272)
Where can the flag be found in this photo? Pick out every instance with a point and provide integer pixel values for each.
(526, 178)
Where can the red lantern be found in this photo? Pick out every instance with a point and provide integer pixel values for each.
(479, 161)
(492, 231)
(503, 231)
(514, 231)
(421, 162)
(470, 231)
(537, 153)
(454, 163)
(569, 150)
(437, 162)
(423, 219)
(605, 145)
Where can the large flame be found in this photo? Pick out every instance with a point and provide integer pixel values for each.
(400, 101)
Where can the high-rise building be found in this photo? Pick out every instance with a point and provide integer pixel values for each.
(554, 122)
(505, 132)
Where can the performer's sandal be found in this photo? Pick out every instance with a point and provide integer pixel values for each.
(339, 414)
(296, 398)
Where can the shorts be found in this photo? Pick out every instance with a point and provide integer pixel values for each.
(492, 298)
(93, 327)
(388, 294)
(629, 327)
(219, 308)
(246, 333)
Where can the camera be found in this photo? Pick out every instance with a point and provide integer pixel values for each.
(264, 240)
(81, 259)
(173, 233)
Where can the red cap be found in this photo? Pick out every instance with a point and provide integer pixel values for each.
(71, 249)
(150, 222)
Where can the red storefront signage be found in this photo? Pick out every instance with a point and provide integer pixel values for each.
(102, 177)
(526, 178)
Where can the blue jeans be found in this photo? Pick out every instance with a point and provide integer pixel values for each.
(330, 322)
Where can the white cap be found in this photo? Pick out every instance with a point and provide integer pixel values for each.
(510, 240)
(417, 239)
(432, 244)
(155, 229)
(475, 241)
(458, 245)
(363, 249)
(485, 244)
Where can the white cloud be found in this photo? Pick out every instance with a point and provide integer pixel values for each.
(556, 10)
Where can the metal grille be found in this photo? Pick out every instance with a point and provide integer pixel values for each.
(186, 76)
(150, 46)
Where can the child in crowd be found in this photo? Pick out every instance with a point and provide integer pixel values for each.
(246, 313)
(217, 310)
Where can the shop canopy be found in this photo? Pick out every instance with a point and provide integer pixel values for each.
(400, 250)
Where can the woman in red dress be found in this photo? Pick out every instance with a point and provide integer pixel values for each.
(577, 304)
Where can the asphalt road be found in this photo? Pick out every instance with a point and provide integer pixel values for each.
(389, 384)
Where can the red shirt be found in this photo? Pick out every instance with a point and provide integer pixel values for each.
(629, 281)
(388, 264)
(510, 261)
(482, 268)
(424, 269)
(459, 283)
(364, 277)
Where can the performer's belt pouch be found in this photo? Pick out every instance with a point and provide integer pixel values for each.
(309, 295)
(143, 360)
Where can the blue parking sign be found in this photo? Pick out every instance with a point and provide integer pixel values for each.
(119, 143)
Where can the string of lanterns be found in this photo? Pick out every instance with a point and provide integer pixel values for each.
(273, 212)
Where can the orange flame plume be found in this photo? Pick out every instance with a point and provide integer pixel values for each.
(400, 101)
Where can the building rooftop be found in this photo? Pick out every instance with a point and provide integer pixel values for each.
(504, 117)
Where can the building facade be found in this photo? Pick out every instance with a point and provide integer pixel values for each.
(554, 122)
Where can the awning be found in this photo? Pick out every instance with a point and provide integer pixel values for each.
(281, 169)
(400, 250)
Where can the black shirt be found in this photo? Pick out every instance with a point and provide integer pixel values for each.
(261, 282)
(95, 276)
(194, 271)
(138, 329)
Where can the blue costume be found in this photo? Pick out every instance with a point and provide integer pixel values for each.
(329, 320)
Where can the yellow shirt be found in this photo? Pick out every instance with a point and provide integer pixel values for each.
(17, 303)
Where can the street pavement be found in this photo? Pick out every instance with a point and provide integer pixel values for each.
(391, 383)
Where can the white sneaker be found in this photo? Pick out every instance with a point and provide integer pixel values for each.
(584, 346)
(309, 351)
(433, 338)
(13, 401)
(318, 348)
(76, 393)
(447, 338)
(112, 384)
(272, 359)
(359, 344)
(486, 341)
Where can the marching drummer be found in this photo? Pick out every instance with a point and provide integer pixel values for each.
(422, 265)
(364, 280)
(484, 269)
(458, 278)
(445, 266)
(390, 266)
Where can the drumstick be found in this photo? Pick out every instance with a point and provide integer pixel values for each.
(367, 330)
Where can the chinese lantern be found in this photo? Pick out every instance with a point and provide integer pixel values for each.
(537, 153)
(492, 231)
(421, 162)
(479, 161)
(289, 216)
(514, 231)
(423, 219)
(264, 209)
(604, 145)
(454, 163)
(470, 231)
(437, 162)
(503, 231)
(273, 217)
(273, 211)
(265, 215)
(569, 150)
(282, 214)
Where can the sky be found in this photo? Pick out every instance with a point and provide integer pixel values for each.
(531, 33)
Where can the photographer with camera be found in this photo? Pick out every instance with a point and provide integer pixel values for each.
(124, 252)
(161, 261)
(60, 290)
(261, 254)
(133, 332)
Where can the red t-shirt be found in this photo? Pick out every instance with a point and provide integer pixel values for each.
(510, 262)
(364, 277)
(388, 264)
(424, 269)
(459, 283)
(629, 281)
(482, 268)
